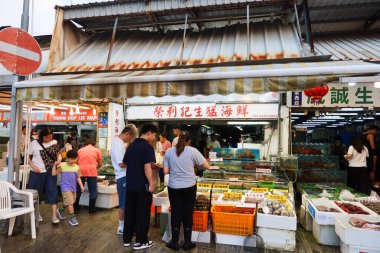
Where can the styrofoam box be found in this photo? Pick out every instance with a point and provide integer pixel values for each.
(356, 236)
(325, 234)
(277, 222)
(106, 201)
(322, 218)
(278, 239)
(201, 237)
(346, 248)
(237, 240)
(306, 219)
(305, 199)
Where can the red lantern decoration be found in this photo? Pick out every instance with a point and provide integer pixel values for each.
(317, 93)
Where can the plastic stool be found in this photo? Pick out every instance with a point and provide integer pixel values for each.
(18, 200)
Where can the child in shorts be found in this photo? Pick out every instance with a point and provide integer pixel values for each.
(70, 177)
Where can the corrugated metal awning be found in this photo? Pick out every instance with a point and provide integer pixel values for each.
(190, 81)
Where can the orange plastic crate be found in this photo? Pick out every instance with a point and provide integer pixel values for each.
(232, 220)
(200, 219)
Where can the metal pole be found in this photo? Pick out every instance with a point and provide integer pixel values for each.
(248, 37)
(112, 42)
(279, 124)
(183, 41)
(309, 39)
(298, 23)
(13, 148)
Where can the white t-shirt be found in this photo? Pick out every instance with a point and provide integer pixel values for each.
(175, 141)
(34, 150)
(117, 153)
(358, 159)
(214, 144)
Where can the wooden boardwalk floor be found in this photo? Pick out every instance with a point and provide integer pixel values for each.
(97, 233)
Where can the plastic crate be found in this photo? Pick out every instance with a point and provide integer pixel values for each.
(232, 220)
(200, 219)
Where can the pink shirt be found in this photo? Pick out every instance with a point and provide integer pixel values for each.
(166, 145)
(88, 158)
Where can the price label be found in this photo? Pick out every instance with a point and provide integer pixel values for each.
(255, 195)
(263, 170)
(277, 197)
(259, 189)
(204, 185)
(214, 167)
(221, 186)
(235, 179)
(233, 195)
(281, 190)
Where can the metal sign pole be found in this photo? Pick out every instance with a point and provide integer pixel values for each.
(14, 149)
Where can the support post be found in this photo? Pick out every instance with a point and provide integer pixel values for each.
(309, 38)
(111, 43)
(248, 37)
(183, 42)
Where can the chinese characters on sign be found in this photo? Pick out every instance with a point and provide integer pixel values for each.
(204, 111)
(341, 95)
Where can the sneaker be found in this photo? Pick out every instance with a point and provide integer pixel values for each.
(61, 214)
(40, 218)
(55, 220)
(173, 246)
(138, 245)
(127, 244)
(120, 230)
(73, 221)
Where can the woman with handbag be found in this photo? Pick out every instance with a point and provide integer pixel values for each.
(71, 144)
(43, 153)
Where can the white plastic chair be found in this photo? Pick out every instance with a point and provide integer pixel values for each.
(7, 212)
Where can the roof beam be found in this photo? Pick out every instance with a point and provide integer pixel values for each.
(332, 21)
(345, 6)
(369, 22)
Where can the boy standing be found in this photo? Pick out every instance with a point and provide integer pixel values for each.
(69, 179)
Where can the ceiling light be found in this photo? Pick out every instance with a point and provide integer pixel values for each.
(331, 126)
(358, 120)
(351, 84)
(247, 123)
(295, 117)
(342, 114)
(298, 113)
(71, 111)
(352, 109)
(376, 84)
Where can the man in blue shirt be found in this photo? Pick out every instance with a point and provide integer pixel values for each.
(140, 186)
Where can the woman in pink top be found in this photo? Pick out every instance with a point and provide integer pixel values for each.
(89, 160)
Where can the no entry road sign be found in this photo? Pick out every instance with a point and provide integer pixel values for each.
(19, 51)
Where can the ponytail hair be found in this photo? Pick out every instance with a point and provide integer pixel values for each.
(184, 138)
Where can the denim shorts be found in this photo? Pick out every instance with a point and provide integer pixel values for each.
(44, 183)
(121, 185)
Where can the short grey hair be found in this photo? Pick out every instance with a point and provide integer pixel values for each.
(130, 129)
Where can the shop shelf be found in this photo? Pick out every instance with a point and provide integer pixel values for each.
(232, 220)
(200, 220)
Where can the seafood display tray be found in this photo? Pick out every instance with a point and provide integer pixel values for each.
(322, 218)
(357, 237)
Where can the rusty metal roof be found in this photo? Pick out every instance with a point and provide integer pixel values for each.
(167, 15)
(363, 46)
(329, 16)
(138, 49)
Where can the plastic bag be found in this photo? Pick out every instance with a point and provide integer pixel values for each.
(325, 194)
(166, 179)
(347, 195)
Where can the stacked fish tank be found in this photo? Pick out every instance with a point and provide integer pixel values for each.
(315, 164)
(107, 170)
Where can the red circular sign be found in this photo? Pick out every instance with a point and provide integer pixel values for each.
(19, 51)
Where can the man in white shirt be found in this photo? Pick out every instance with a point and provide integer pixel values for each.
(213, 143)
(176, 132)
(117, 153)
